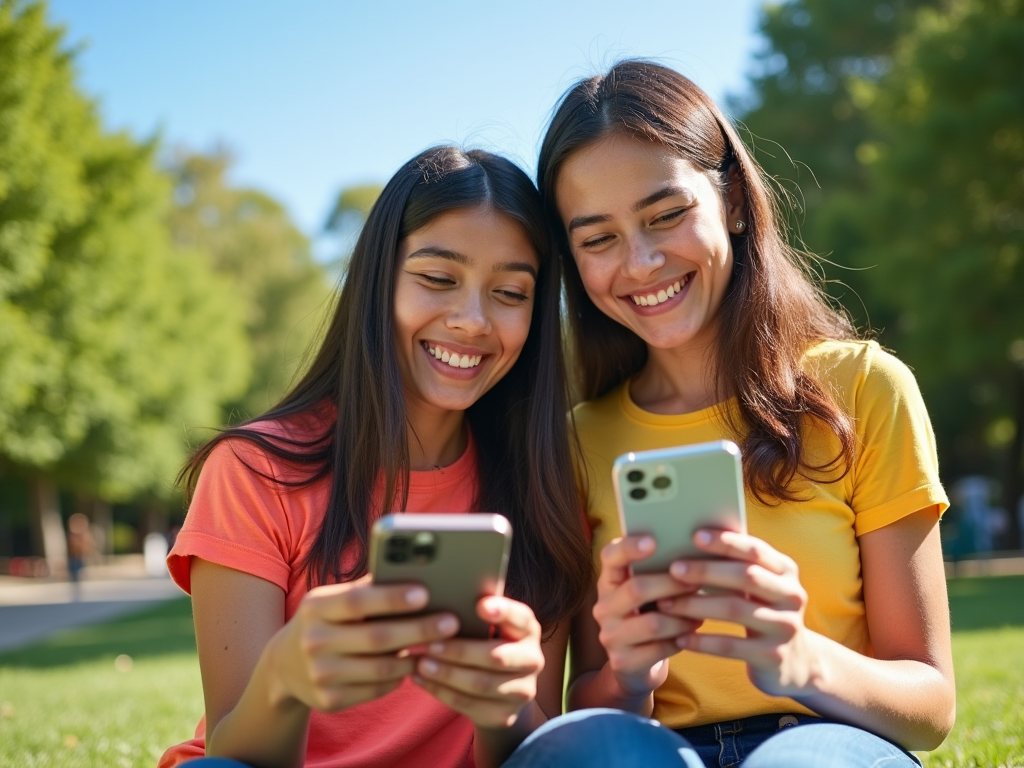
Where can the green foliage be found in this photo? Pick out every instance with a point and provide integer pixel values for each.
(254, 245)
(111, 341)
(908, 114)
(944, 219)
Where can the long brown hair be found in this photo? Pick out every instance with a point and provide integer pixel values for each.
(519, 426)
(772, 311)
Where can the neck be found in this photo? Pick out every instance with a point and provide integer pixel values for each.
(436, 438)
(678, 380)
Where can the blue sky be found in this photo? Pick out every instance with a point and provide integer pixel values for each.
(315, 95)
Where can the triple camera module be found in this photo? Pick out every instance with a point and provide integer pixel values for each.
(660, 482)
(411, 547)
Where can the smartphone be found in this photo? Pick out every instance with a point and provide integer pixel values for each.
(459, 558)
(671, 492)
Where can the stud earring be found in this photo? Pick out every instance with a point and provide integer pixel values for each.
(739, 226)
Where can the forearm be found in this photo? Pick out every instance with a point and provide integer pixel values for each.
(266, 727)
(602, 688)
(907, 701)
(492, 746)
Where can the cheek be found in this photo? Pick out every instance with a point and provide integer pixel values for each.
(515, 328)
(597, 275)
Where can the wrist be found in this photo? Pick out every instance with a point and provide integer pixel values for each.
(635, 689)
(272, 665)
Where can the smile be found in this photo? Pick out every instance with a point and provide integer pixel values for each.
(662, 295)
(454, 359)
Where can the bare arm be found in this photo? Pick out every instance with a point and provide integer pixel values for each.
(619, 655)
(905, 693)
(262, 676)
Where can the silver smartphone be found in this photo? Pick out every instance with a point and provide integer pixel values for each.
(671, 492)
(459, 558)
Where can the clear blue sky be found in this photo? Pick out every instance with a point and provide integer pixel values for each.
(315, 95)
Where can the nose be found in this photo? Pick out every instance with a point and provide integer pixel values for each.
(642, 257)
(468, 314)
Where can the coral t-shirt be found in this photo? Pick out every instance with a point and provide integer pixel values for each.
(243, 521)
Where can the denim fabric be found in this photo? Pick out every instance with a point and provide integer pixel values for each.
(216, 762)
(609, 738)
(603, 738)
(792, 741)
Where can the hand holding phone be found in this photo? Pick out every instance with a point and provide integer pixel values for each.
(670, 493)
(458, 558)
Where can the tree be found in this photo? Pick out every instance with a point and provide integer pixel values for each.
(807, 122)
(253, 244)
(347, 218)
(112, 343)
(943, 217)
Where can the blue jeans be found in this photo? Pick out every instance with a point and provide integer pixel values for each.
(216, 762)
(609, 738)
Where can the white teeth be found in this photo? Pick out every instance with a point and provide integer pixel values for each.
(454, 359)
(652, 300)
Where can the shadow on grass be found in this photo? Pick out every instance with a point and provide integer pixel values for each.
(986, 602)
(158, 631)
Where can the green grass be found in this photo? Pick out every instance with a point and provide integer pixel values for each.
(64, 704)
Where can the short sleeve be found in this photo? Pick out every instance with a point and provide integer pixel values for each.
(236, 518)
(896, 472)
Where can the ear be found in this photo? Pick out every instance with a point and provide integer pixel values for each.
(735, 201)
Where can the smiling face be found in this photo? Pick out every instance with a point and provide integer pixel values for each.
(464, 296)
(648, 232)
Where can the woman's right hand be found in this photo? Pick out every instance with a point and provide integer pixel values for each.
(336, 652)
(637, 643)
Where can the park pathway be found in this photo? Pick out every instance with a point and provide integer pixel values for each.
(32, 609)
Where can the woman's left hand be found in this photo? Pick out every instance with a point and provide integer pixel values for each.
(488, 681)
(764, 595)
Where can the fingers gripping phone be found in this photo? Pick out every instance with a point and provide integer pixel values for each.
(672, 492)
(458, 558)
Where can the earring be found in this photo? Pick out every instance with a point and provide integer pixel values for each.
(739, 226)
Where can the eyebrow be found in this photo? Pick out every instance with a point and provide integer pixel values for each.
(463, 259)
(439, 253)
(515, 266)
(661, 194)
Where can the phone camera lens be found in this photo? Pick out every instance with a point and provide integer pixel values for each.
(397, 549)
(638, 493)
(424, 546)
(635, 476)
(661, 482)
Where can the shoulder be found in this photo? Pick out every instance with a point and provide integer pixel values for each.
(599, 413)
(853, 369)
(261, 449)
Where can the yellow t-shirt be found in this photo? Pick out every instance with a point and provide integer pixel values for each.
(895, 473)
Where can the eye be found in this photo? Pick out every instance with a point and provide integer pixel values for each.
(670, 216)
(596, 242)
(512, 295)
(441, 282)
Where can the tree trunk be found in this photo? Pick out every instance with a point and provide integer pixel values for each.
(48, 538)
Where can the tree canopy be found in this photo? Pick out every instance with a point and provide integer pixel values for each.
(112, 341)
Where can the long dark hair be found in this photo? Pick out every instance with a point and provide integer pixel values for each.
(773, 310)
(519, 425)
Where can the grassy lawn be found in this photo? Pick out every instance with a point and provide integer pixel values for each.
(67, 703)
